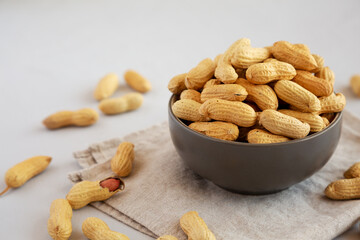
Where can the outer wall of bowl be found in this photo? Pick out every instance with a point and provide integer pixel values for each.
(253, 168)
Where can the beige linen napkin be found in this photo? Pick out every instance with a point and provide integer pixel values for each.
(161, 189)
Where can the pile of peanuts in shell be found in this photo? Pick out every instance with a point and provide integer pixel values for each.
(271, 93)
(258, 95)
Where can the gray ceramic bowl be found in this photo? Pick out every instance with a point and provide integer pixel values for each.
(253, 168)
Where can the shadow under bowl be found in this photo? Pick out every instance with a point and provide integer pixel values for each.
(253, 168)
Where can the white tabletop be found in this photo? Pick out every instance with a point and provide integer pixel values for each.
(52, 53)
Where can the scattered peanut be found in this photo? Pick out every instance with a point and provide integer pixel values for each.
(238, 113)
(231, 92)
(195, 227)
(137, 82)
(121, 163)
(122, 104)
(353, 171)
(177, 84)
(85, 192)
(220, 130)
(355, 84)
(106, 86)
(191, 94)
(284, 125)
(59, 224)
(199, 75)
(96, 229)
(344, 189)
(262, 136)
(188, 109)
(20, 173)
(82, 117)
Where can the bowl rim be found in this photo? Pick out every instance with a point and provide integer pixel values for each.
(337, 118)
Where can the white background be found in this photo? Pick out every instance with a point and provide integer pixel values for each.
(52, 53)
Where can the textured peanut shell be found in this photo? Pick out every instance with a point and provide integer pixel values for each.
(82, 117)
(177, 83)
(327, 74)
(224, 71)
(167, 237)
(297, 96)
(318, 86)
(355, 84)
(128, 102)
(212, 82)
(59, 224)
(344, 189)
(85, 192)
(96, 229)
(263, 137)
(195, 227)
(297, 55)
(220, 130)
(188, 109)
(333, 103)
(137, 81)
(263, 95)
(231, 92)
(326, 121)
(315, 121)
(284, 125)
(319, 61)
(263, 73)
(271, 60)
(25, 170)
(121, 163)
(216, 59)
(199, 75)
(244, 56)
(353, 171)
(238, 113)
(191, 94)
(106, 86)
